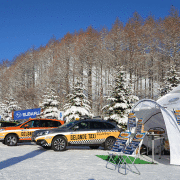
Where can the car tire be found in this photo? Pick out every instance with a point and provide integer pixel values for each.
(109, 143)
(11, 140)
(59, 143)
(94, 147)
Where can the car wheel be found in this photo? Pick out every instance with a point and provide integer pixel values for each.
(94, 147)
(109, 143)
(59, 143)
(11, 140)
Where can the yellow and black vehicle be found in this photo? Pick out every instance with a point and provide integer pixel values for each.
(90, 132)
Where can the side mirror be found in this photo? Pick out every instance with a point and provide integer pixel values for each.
(26, 126)
(75, 128)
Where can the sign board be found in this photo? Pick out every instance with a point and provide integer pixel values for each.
(131, 120)
(134, 143)
(60, 115)
(26, 114)
(177, 114)
(139, 126)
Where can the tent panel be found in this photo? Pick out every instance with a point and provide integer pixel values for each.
(173, 133)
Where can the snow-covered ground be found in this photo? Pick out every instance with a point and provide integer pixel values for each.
(29, 161)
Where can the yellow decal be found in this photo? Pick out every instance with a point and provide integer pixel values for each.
(139, 136)
(140, 121)
(103, 134)
(78, 137)
(28, 133)
(83, 136)
(124, 134)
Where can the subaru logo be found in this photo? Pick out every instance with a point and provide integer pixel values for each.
(18, 114)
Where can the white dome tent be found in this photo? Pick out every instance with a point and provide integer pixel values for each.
(171, 100)
(155, 115)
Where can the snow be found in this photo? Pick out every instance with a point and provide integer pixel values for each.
(119, 119)
(29, 161)
(75, 109)
(120, 105)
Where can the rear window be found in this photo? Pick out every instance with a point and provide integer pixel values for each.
(99, 125)
(49, 123)
(6, 124)
(110, 126)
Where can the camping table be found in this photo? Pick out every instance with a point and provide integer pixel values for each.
(153, 138)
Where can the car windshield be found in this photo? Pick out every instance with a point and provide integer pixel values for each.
(68, 124)
(19, 124)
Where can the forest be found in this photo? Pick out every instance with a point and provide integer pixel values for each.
(145, 48)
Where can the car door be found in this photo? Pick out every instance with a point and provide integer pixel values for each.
(28, 128)
(80, 133)
(103, 131)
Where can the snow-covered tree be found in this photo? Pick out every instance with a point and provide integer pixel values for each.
(77, 104)
(171, 80)
(2, 110)
(9, 106)
(49, 105)
(120, 101)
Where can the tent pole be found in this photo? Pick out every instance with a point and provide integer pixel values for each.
(152, 147)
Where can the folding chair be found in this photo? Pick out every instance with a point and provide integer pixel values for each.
(132, 150)
(177, 115)
(118, 146)
(140, 126)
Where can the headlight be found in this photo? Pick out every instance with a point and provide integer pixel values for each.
(42, 133)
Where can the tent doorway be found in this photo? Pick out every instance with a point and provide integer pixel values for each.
(156, 116)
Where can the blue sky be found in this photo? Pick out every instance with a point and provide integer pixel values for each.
(27, 23)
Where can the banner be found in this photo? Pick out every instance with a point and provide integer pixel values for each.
(60, 115)
(131, 120)
(26, 114)
(177, 114)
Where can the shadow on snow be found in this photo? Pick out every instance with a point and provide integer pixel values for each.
(12, 161)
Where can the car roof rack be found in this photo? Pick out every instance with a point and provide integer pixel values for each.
(97, 117)
(84, 117)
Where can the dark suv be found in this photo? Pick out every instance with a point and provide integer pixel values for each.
(91, 132)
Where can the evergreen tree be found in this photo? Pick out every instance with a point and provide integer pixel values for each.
(171, 80)
(77, 104)
(49, 105)
(8, 108)
(2, 110)
(120, 102)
